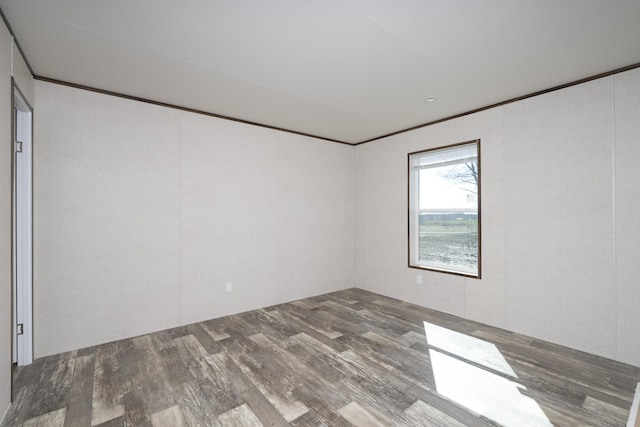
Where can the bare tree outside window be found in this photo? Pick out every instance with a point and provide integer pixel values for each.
(466, 175)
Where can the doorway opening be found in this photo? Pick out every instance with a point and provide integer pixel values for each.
(22, 342)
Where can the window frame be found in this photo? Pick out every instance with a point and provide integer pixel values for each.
(411, 195)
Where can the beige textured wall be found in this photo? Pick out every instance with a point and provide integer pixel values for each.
(559, 218)
(627, 209)
(22, 75)
(143, 213)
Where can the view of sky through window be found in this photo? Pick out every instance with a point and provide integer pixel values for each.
(438, 191)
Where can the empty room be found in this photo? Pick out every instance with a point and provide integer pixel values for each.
(336, 213)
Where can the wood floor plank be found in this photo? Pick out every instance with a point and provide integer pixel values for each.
(236, 326)
(324, 411)
(350, 357)
(603, 412)
(374, 392)
(83, 375)
(30, 375)
(175, 369)
(213, 381)
(136, 411)
(114, 422)
(162, 340)
(363, 366)
(275, 390)
(263, 409)
(130, 372)
(191, 352)
(50, 419)
(257, 363)
(317, 364)
(240, 416)
(359, 416)
(451, 408)
(317, 346)
(196, 406)
(153, 376)
(214, 329)
(420, 375)
(23, 406)
(267, 324)
(308, 419)
(303, 325)
(55, 393)
(206, 340)
(107, 385)
(302, 371)
(315, 320)
(170, 417)
(421, 413)
(241, 383)
(219, 386)
(79, 410)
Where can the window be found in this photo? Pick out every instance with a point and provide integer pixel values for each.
(444, 209)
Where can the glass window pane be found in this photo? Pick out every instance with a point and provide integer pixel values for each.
(444, 209)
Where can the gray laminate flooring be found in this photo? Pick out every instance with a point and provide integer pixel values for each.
(346, 358)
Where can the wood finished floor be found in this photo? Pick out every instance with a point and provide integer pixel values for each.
(346, 358)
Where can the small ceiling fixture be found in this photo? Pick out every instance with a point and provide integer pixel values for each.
(430, 99)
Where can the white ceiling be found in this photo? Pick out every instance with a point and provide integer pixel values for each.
(348, 70)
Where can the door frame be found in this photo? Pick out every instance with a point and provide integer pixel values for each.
(22, 275)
